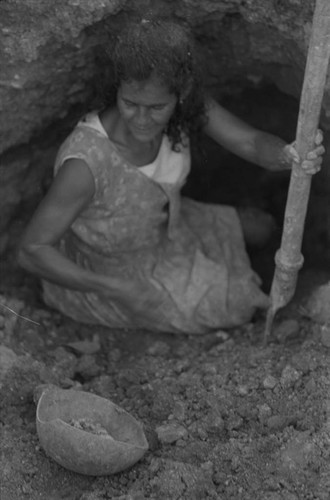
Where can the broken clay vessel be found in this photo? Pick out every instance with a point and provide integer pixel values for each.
(121, 445)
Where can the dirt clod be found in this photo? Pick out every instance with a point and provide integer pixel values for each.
(7, 360)
(87, 425)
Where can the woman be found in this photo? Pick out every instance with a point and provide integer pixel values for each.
(113, 241)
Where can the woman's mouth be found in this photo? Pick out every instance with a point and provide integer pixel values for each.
(143, 130)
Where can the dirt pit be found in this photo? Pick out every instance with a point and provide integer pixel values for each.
(225, 418)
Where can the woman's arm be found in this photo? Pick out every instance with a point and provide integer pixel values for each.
(71, 191)
(258, 147)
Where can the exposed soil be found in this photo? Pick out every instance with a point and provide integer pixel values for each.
(225, 418)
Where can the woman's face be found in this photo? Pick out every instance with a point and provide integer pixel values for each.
(145, 108)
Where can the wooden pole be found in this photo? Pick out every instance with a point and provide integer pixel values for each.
(288, 258)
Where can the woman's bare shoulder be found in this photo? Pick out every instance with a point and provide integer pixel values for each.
(109, 119)
(74, 178)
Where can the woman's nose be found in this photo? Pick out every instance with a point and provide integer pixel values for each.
(142, 116)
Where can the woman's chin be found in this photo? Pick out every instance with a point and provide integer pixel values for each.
(146, 135)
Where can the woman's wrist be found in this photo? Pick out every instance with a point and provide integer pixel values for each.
(113, 287)
(272, 152)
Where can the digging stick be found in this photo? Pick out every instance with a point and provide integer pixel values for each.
(288, 258)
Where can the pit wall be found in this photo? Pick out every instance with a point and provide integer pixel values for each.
(49, 66)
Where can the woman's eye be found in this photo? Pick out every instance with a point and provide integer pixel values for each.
(129, 104)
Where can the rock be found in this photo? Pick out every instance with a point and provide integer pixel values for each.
(287, 329)
(234, 423)
(317, 306)
(86, 346)
(8, 359)
(269, 382)
(214, 423)
(181, 366)
(310, 386)
(277, 422)
(208, 467)
(179, 410)
(159, 349)
(65, 363)
(298, 452)
(220, 334)
(87, 367)
(243, 390)
(264, 411)
(289, 376)
(170, 433)
(303, 362)
(114, 355)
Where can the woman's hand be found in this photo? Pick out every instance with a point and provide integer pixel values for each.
(137, 297)
(312, 164)
(256, 146)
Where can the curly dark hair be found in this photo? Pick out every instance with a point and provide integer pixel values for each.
(163, 48)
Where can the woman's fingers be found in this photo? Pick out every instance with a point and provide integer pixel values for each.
(316, 153)
(319, 137)
(312, 163)
(291, 148)
(311, 167)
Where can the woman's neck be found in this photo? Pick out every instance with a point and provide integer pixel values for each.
(137, 152)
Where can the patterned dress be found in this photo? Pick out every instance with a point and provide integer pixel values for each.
(188, 255)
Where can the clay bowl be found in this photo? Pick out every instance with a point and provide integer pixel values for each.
(115, 442)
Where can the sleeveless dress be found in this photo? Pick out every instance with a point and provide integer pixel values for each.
(190, 256)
